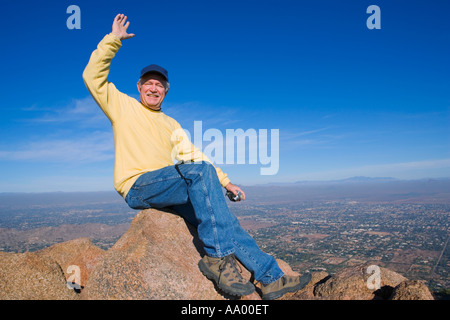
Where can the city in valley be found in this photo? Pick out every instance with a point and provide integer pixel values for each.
(400, 225)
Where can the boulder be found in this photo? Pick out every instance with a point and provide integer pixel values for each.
(351, 284)
(411, 290)
(31, 276)
(155, 259)
(71, 255)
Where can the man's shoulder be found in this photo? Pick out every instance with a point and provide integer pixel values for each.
(171, 120)
(126, 98)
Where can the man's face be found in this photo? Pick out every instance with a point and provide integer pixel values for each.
(152, 91)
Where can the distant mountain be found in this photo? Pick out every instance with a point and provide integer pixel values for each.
(18, 199)
(354, 189)
(356, 179)
(351, 180)
(365, 179)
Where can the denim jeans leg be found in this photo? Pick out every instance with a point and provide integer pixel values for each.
(211, 211)
(263, 266)
(166, 187)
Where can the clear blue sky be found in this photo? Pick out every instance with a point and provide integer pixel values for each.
(348, 101)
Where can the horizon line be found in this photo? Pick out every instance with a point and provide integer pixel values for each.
(286, 184)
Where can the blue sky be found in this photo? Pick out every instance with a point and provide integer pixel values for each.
(347, 101)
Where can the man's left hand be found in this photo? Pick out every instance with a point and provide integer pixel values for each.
(234, 189)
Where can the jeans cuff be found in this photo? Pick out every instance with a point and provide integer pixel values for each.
(269, 277)
(220, 254)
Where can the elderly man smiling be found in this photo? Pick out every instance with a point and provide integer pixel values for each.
(146, 144)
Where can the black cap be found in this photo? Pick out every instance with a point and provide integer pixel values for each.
(157, 69)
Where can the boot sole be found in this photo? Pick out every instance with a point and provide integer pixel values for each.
(227, 289)
(304, 280)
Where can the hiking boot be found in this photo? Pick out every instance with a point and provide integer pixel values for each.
(225, 274)
(284, 285)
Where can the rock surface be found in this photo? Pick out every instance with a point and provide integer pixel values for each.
(30, 276)
(351, 284)
(156, 258)
(411, 290)
(81, 253)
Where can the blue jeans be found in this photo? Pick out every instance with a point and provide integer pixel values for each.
(193, 190)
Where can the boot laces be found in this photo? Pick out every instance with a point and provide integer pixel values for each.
(234, 266)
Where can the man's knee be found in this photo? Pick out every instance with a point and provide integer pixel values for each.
(203, 170)
(201, 166)
(207, 165)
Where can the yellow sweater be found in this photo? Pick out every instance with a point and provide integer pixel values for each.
(144, 140)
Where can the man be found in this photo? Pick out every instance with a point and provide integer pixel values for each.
(146, 144)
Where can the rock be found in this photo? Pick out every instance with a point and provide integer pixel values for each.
(79, 253)
(307, 293)
(286, 268)
(32, 276)
(157, 258)
(351, 284)
(411, 290)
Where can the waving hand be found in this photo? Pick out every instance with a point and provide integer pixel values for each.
(119, 27)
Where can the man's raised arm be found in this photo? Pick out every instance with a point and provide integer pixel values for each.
(95, 74)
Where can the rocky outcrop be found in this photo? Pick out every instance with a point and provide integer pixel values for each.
(29, 276)
(156, 258)
(351, 284)
(79, 254)
(411, 290)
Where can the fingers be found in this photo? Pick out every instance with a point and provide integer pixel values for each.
(124, 18)
(121, 18)
(118, 17)
(236, 190)
(242, 193)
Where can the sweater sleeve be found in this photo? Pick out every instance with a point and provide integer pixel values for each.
(185, 150)
(95, 75)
